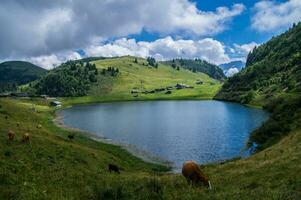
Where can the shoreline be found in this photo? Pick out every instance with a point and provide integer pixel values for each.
(132, 149)
(81, 101)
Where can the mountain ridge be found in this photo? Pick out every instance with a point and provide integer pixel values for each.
(271, 79)
(198, 65)
(14, 73)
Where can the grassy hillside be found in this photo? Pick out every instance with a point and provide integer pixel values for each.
(50, 166)
(272, 79)
(140, 78)
(14, 73)
(198, 65)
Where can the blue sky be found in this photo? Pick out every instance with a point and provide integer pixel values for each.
(239, 30)
(218, 31)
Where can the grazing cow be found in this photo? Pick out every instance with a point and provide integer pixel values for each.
(6, 117)
(114, 168)
(192, 172)
(25, 137)
(39, 126)
(11, 135)
(71, 136)
(18, 124)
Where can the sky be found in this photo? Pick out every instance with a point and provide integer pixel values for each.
(48, 33)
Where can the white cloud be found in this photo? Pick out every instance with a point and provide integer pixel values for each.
(166, 48)
(53, 60)
(230, 72)
(272, 16)
(35, 28)
(244, 49)
(47, 62)
(163, 49)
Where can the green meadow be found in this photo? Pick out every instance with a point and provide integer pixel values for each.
(142, 77)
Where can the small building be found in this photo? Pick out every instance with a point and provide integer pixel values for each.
(134, 91)
(169, 88)
(199, 82)
(182, 86)
(56, 103)
(44, 96)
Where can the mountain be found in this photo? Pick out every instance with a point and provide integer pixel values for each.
(232, 68)
(272, 79)
(198, 65)
(13, 73)
(234, 64)
(124, 78)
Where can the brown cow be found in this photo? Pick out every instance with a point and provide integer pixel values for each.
(11, 135)
(193, 174)
(25, 137)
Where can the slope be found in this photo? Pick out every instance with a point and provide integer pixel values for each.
(272, 79)
(18, 73)
(137, 80)
(198, 65)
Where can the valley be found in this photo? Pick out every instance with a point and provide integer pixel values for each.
(41, 153)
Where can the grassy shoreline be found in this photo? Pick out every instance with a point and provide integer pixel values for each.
(135, 151)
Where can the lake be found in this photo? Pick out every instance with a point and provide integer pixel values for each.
(204, 131)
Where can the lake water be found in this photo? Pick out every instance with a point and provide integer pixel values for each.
(204, 131)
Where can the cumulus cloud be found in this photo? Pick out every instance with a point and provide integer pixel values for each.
(35, 28)
(230, 72)
(163, 49)
(51, 61)
(272, 16)
(244, 49)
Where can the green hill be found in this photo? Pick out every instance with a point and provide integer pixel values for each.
(124, 78)
(198, 65)
(272, 79)
(14, 73)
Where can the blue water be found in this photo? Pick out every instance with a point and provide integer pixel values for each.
(204, 131)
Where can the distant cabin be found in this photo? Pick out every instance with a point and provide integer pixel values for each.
(182, 86)
(55, 103)
(134, 91)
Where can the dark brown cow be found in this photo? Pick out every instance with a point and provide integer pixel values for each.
(71, 136)
(192, 172)
(113, 168)
(25, 137)
(11, 135)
